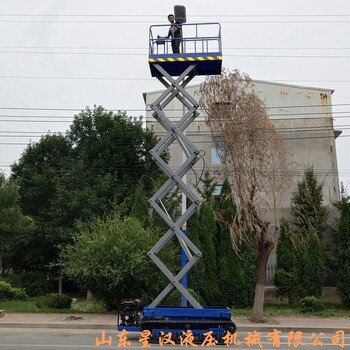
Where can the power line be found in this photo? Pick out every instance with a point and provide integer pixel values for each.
(150, 79)
(203, 142)
(145, 54)
(75, 47)
(33, 121)
(68, 119)
(121, 109)
(5, 133)
(83, 109)
(199, 109)
(82, 53)
(72, 78)
(130, 170)
(65, 109)
(149, 21)
(143, 48)
(273, 117)
(162, 16)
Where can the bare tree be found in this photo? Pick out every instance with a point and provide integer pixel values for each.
(254, 159)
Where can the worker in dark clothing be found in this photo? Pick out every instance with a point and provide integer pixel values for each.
(175, 33)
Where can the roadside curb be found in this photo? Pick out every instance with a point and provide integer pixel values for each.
(240, 329)
(287, 329)
(57, 325)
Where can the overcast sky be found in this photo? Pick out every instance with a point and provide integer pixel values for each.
(59, 56)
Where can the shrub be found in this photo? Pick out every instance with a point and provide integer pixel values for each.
(310, 304)
(55, 301)
(35, 283)
(174, 298)
(109, 258)
(19, 294)
(7, 292)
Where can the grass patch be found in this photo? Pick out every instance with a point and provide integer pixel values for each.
(29, 305)
(83, 306)
(282, 310)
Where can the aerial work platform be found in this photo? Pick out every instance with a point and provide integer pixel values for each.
(200, 44)
(200, 54)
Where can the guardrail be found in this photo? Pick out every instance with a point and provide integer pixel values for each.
(197, 38)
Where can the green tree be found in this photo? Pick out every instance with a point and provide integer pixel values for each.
(39, 173)
(301, 259)
(140, 208)
(343, 253)
(13, 224)
(88, 171)
(222, 276)
(208, 238)
(312, 265)
(205, 237)
(110, 155)
(209, 183)
(236, 269)
(196, 277)
(203, 277)
(109, 257)
(307, 209)
(287, 276)
(310, 219)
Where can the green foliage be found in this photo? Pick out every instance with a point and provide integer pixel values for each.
(7, 292)
(109, 257)
(301, 259)
(236, 271)
(13, 224)
(19, 293)
(208, 238)
(35, 283)
(310, 304)
(90, 170)
(55, 301)
(312, 265)
(343, 254)
(30, 305)
(196, 277)
(221, 277)
(207, 190)
(287, 276)
(307, 209)
(140, 208)
(174, 298)
(300, 268)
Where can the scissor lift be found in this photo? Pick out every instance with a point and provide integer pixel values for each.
(201, 54)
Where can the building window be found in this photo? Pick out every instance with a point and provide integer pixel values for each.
(217, 191)
(215, 153)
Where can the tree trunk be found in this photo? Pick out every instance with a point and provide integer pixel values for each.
(1, 268)
(89, 295)
(264, 248)
(60, 281)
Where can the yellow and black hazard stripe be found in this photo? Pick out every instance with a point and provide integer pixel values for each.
(184, 59)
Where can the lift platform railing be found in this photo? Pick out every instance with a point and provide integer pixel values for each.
(197, 38)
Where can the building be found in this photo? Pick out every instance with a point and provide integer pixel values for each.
(302, 115)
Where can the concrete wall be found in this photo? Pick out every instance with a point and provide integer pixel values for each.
(302, 115)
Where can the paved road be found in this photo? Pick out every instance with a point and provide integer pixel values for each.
(58, 339)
